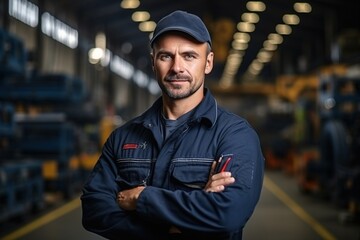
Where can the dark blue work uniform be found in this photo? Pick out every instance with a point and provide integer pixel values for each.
(175, 172)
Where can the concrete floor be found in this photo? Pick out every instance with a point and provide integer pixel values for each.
(283, 213)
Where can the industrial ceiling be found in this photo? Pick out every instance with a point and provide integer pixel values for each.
(308, 45)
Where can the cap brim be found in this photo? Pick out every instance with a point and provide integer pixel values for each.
(178, 29)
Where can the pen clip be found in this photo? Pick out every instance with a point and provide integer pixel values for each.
(218, 163)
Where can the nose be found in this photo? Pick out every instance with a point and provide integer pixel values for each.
(177, 64)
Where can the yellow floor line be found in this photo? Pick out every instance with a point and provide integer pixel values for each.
(299, 211)
(268, 183)
(43, 220)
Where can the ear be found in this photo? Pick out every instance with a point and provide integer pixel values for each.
(209, 63)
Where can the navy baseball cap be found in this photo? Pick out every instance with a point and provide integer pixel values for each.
(183, 22)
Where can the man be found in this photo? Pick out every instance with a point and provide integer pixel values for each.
(184, 169)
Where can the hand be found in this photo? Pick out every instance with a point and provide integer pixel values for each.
(127, 198)
(218, 181)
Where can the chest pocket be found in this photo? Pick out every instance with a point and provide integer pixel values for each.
(132, 172)
(189, 173)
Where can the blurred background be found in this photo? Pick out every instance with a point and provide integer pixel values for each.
(72, 71)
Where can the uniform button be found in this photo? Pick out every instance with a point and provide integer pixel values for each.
(149, 125)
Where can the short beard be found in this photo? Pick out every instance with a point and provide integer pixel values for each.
(182, 95)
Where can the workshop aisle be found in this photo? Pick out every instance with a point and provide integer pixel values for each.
(283, 213)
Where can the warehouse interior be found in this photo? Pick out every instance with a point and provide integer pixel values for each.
(73, 71)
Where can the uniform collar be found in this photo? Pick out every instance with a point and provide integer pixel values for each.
(206, 112)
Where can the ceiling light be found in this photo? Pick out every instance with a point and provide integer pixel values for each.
(100, 40)
(245, 27)
(256, 65)
(130, 4)
(236, 53)
(250, 17)
(283, 29)
(255, 6)
(275, 38)
(264, 56)
(253, 72)
(302, 7)
(140, 16)
(242, 37)
(147, 26)
(232, 66)
(291, 19)
(239, 45)
(269, 46)
(235, 56)
(95, 54)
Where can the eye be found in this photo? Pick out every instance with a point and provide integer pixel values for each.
(189, 56)
(165, 57)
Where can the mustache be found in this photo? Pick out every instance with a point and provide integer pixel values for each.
(177, 77)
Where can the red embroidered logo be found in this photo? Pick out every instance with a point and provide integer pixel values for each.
(130, 146)
(134, 146)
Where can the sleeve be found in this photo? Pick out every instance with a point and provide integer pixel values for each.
(212, 213)
(101, 212)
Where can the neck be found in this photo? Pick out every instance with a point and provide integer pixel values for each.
(175, 108)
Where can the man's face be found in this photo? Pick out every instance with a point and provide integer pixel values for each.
(180, 65)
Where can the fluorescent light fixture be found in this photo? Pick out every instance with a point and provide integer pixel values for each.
(24, 11)
(239, 45)
(140, 16)
(291, 19)
(250, 17)
(256, 6)
(269, 46)
(245, 27)
(148, 26)
(302, 7)
(242, 37)
(264, 56)
(130, 4)
(275, 38)
(283, 29)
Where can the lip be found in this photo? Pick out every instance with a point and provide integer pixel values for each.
(177, 81)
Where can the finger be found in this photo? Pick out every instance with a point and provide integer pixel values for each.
(212, 170)
(220, 175)
(228, 181)
(120, 196)
(216, 188)
(222, 182)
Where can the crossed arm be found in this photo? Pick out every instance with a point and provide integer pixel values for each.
(217, 182)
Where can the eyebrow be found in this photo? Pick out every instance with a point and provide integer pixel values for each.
(192, 52)
(186, 52)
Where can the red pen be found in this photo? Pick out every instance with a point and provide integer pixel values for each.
(225, 164)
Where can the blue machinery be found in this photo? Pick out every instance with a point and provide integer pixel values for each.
(37, 151)
(12, 54)
(21, 188)
(340, 141)
(336, 171)
(50, 138)
(52, 88)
